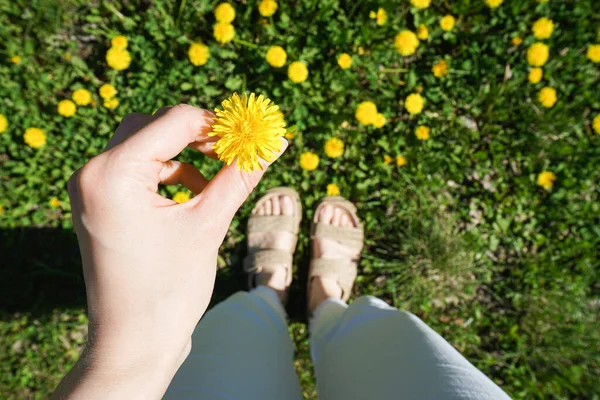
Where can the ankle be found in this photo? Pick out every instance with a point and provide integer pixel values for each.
(322, 289)
(275, 281)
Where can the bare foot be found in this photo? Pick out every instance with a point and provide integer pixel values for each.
(323, 288)
(281, 240)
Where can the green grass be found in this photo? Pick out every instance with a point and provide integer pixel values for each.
(461, 236)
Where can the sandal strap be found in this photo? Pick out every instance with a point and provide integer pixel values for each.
(273, 223)
(350, 236)
(344, 271)
(268, 260)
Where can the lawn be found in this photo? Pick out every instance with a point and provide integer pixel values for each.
(477, 175)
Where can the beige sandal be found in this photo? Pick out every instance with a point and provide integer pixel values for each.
(268, 259)
(344, 271)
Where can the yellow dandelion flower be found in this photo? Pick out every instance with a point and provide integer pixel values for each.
(1, 210)
(119, 42)
(596, 124)
(107, 91)
(440, 69)
(54, 202)
(543, 28)
(414, 103)
(333, 190)
(118, 59)
(334, 148)
(547, 97)
(223, 32)
(447, 23)
(67, 108)
(3, 123)
(225, 13)
(593, 53)
(111, 103)
(249, 128)
(34, 137)
(297, 72)
(422, 132)
(380, 120)
(344, 61)
(198, 53)
(276, 56)
(517, 41)
(267, 8)
(422, 32)
(400, 161)
(546, 179)
(537, 54)
(535, 75)
(360, 50)
(15, 59)
(309, 161)
(181, 197)
(421, 4)
(380, 16)
(387, 159)
(290, 135)
(406, 43)
(366, 113)
(82, 97)
(493, 3)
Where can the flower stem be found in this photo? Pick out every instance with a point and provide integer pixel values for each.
(245, 43)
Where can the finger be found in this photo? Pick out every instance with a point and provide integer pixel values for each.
(230, 188)
(181, 173)
(165, 136)
(130, 124)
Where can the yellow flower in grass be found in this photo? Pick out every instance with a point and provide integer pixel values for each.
(118, 59)
(543, 28)
(34, 137)
(333, 190)
(54, 202)
(290, 135)
(535, 75)
(387, 159)
(493, 3)
(517, 41)
(440, 69)
(111, 103)
(380, 16)
(420, 3)
(107, 91)
(1, 210)
(422, 132)
(422, 32)
(537, 54)
(276, 56)
(414, 103)
(334, 148)
(309, 161)
(400, 161)
(249, 129)
(547, 97)
(82, 97)
(447, 23)
(360, 50)
(119, 42)
(593, 53)
(67, 108)
(380, 120)
(546, 179)
(297, 72)
(344, 61)
(223, 32)
(366, 113)
(225, 13)
(3, 123)
(596, 124)
(267, 8)
(15, 59)
(181, 197)
(198, 53)
(406, 43)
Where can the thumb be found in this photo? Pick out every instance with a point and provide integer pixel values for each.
(228, 190)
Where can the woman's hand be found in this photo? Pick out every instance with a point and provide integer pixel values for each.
(149, 263)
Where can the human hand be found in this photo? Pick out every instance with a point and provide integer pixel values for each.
(149, 263)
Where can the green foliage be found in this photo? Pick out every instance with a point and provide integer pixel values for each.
(461, 235)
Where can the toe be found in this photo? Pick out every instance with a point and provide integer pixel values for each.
(276, 204)
(337, 216)
(345, 220)
(261, 210)
(268, 207)
(326, 214)
(287, 205)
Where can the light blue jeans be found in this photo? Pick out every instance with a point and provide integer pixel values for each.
(241, 349)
